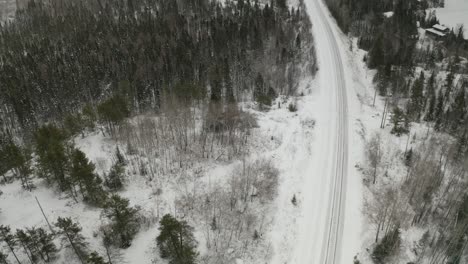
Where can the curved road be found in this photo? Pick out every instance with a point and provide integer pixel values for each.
(324, 220)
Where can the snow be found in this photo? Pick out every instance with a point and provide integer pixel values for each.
(453, 14)
(296, 143)
(388, 14)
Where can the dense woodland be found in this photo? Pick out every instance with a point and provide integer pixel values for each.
(59, 56)
(422, 80)
(163, 80)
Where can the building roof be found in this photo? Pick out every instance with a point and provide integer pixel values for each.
(440, 27)
(435, 32)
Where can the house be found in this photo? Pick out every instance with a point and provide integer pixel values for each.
(441, 28)
(438, 31)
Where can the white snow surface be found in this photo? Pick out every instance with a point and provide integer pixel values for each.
(453, 14)
(299, 148)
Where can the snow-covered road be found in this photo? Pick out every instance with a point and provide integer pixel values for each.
(322, 231)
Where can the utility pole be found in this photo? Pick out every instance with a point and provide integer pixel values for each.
(45, 217)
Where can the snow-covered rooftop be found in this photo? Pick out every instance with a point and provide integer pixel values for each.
(436, 32)
(440, 27)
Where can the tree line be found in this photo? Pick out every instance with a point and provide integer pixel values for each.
(60, 57)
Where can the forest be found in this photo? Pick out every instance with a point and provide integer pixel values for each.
(61, 59)
(416, 164)
(164, 81)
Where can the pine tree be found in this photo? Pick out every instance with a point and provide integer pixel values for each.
(71, 232)
(25, 242)
(114, 180)
(376, 54)
(82, 173)
(3, 258)
(399, 122)
(417, 96)
(95, 258)
(439, 111)
(387, 246)
(19, 160)
(52, 156)
(9, 240)
(214, 224)
(228, 86)
(216, 86)
(120, 157)
(113, 111)
(176, 241)
(458, 111)
(449, 82)
(45, 243)
(124, 219)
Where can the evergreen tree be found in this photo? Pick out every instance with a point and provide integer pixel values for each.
(89, 116)
(387, 247)
(114, 180)
(376, 54)
(25, 242)
(119, 156)
(399, 122)
(82, 173)
(417, 96)
(449, 83)
(176, 242)
(124, 219)
(228, 85)
(439, 112)
(9, 240)
(216, 86)
(3, 258)
(38, 242)
(19, 160)
(71, 233)
(113, 111)
(459, 111)
(52, 157)
(95, 258)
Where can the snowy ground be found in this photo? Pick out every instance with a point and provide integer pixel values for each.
(295, 148)
(453, 14)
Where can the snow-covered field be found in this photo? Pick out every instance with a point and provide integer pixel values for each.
(289, 140)
(454, 13)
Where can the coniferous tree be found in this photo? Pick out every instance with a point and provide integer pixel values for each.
(417, 96)
(53, 160)
(82, 174)
(124, 221)
(3, 258)
(449, 83)
(25, 241)
(399, 121)
(387, 246)
(439, 112)
(376, 54)
(113, 111)
(114, 180)
(38, 242)
(459, 111)
(176, 242)
(9, 240)
(119, 157)
(19, 160)
(71, 234)
(95, 258)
